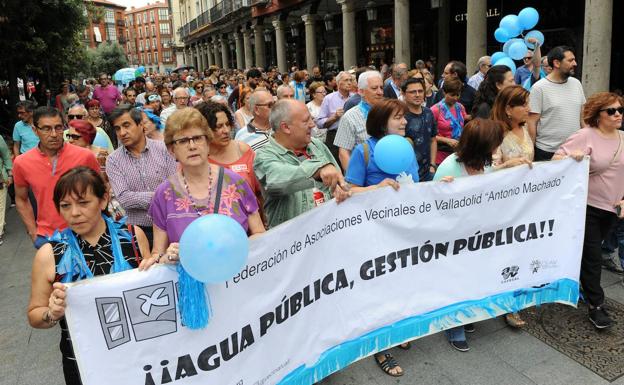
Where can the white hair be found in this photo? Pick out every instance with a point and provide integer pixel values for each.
(482, 60)
(342, 75)
(180, 90)
(280, 90)
(280, 113)
(364, 77)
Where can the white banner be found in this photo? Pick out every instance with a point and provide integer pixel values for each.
(342, 282)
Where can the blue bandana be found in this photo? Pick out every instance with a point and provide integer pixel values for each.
(365, 108)
(456, 123)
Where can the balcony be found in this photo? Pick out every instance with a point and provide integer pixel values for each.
(122, 40)
(120, 23)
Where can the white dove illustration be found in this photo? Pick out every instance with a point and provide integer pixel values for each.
(155, 299)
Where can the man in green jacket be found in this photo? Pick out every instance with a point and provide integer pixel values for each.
(297, 172)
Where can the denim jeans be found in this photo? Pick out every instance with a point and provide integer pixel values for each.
(456, 334)
(615, 240)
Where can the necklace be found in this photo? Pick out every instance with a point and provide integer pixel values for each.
(188, 192)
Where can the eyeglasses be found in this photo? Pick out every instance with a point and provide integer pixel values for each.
(222, 87)
(321, 92)
(412, 92)
(528, 58)
(74, 136)
(611, 111)
(72, 117)
(270, 104)
(199, 87)
(181, 98)
(197, 139)
(47, 129)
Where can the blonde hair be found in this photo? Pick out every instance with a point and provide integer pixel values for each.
(184, 119)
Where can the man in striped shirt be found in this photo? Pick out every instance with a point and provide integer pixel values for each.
(137, 167)
(256, 133)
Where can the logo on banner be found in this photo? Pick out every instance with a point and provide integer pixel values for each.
(151, 313)
(540, 264)
(510, 274)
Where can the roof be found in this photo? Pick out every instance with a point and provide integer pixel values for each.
(156, 4)
(106, 3)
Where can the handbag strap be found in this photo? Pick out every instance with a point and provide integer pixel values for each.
(134, 248)
(218, 192)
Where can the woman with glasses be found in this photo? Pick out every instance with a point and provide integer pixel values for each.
(603, 142)
(317, 94)
(198, 87)
(79, 112)
(198, 187)
(222, 89)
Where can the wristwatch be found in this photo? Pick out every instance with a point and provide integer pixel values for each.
(47, 317)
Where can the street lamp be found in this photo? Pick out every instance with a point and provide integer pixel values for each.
(267, 36)
(371, 11)
(294, 31)
(329, 22)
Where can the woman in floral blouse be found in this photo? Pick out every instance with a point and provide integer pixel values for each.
(198, 188)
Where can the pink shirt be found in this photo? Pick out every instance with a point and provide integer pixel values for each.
(606, 175)
(107, 96)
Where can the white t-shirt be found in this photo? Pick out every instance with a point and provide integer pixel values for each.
(560, 106)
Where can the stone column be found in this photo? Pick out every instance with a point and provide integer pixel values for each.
(200, 57)
(240, 53)
(349, 54)
(218, 56)
(225, 53)
(209, 54)
(444, 36)
(310, 39)
(597, 34)
(259, 42)
(205, 51)
(249, 59)
(402, 51)
(476, 33)
(196, 56)
(280, 43)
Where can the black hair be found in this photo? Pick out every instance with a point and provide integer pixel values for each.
(135, 113)
(329, 76)
(45, 112)
(410, 81)
(487, 89)
(558, 53)
(459, 68)
(77, 181)
(254, 73)
(210, 109)
(27, 105)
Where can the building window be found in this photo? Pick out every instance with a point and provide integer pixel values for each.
(154, 43)
(140, 33)
(146, 31)
(147, 44)
(163, 14)
(165, 42)
(153, 30)
(152, 15)
(145, 17)
(149, 58)
(111, 33)
(140, 45)
(155, 57)
(164, 29)
(109, 16)
(167, 56)
(139, 20)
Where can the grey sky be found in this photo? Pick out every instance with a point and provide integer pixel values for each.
(133, 3)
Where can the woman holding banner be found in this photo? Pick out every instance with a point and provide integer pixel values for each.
(473, 156)
(198, 188)
(604, 144)
(93, 245)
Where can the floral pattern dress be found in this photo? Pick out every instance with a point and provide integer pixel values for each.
(172, 210)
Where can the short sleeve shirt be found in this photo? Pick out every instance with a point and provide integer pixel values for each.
(351, 129)
(23, 133)
(421, 129)
(362, 173)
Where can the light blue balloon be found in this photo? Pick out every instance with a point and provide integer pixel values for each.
(213, 248)
(501, 35)
(528, 18)
(394, 154)
(496, 56)
(100, 141)
(511, 24)
(517, 50)
(508, 44)
(535, 34)
(508, 62)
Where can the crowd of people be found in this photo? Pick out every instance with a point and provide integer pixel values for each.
(114, 176)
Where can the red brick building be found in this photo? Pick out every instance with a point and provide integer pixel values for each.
(149, 37)
(106, 23)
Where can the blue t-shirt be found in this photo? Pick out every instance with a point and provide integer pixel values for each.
(23, 133)
(361, 174)
(522, 73)
(422, 129)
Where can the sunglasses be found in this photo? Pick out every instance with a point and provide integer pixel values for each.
(72, 117)
(611, 111)
(74, 136)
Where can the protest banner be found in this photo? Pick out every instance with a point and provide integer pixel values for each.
(342, 282)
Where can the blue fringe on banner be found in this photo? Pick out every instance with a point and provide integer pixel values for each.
(193, 301)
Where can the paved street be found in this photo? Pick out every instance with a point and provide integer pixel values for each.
(498, 355)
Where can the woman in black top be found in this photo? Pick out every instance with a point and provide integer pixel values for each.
(497, 78)
(98, 245)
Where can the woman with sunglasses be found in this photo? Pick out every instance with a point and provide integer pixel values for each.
(604, 143)
(198, 187)
(198, 87)
(222, 89)
(79, 112)
(95, 117)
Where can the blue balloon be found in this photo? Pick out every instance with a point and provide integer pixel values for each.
(100, 141)
(528, 18)
(497, 55)
(534, 34)
(508, 62)
(213, 248)
(501, 35)
(394, 154)
(511, 24)
(517, 50)
(508, 44)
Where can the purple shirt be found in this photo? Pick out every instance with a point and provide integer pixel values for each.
(330, 104)
(134, 179)
(172, 210)
(107, 96)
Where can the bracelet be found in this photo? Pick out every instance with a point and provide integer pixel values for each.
(47, 318)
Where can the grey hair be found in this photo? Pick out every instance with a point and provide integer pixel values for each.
(342, 75)
(363, 80)
(482, 60)
(218, 99)
(280, 90)
(79, 106)
(280, 113)
(176, 92)
(253, 99)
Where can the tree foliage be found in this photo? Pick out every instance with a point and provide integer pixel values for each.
(107, 57)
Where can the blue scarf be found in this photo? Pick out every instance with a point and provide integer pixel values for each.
(73, 261)
(456, 123)
(365, 108)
